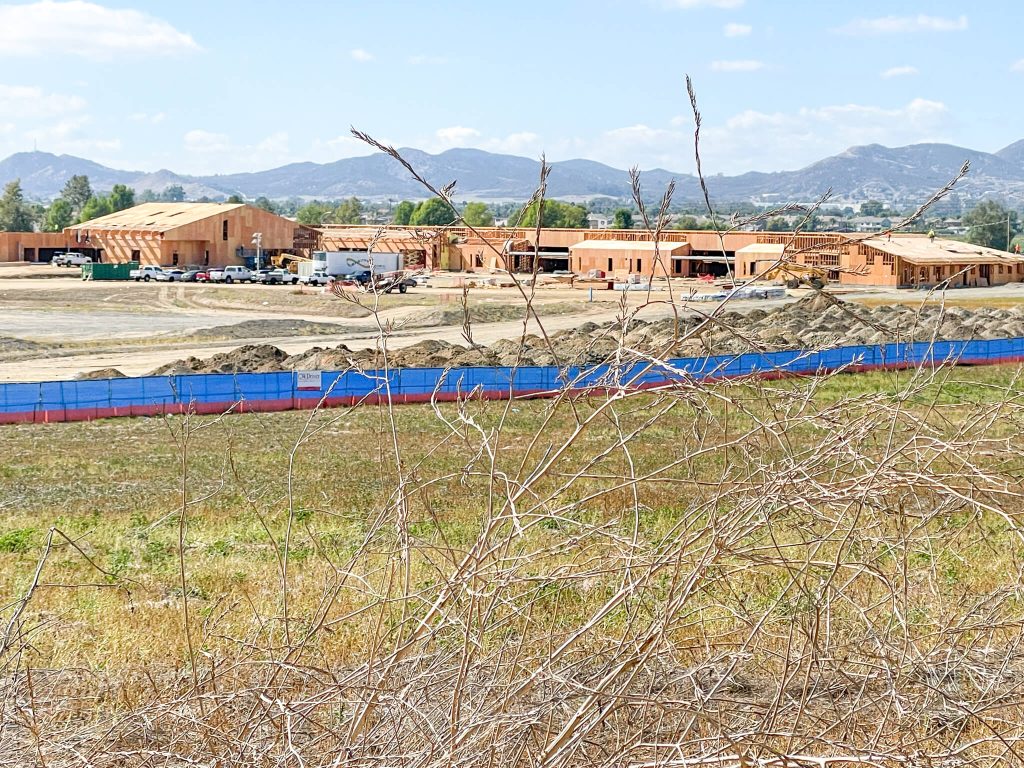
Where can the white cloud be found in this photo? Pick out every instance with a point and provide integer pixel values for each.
(457, 135)
(212, 152)
(899, 72)
(754, 140)
(202, 141)
(888, 25)
(145, 117)
(30, 102)
(82, 28)
(1017, 66)
(62, 137)
(745, 65)
(274, 144)
(764, 141)
(358, 54)
(737, 30)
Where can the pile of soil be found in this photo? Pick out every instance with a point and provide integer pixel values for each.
(102, 373)
(251, 358)
(260, 329)
(10, 344)
(818, 322)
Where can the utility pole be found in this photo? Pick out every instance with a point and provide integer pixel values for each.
(1009, 216)
(257, 239)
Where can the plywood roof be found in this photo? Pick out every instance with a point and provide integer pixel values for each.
(158, 217)
(763, 249)
(630, 245)
(922, 250)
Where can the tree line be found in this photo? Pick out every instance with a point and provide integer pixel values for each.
(989, 223)
(77, 203)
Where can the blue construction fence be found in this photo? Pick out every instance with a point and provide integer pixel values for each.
(210, 393)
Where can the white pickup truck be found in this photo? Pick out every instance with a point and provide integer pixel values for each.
(231, 274)
(316, 277)
(146, 273)
(71, 259)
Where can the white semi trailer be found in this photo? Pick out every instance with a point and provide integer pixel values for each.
(343, 263)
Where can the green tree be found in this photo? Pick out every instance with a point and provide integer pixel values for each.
(478, 215)
(988, 224)
(235, 200)
(77, 191)
(122, 197)
(686, 222)
(315, 214)
(148, 196)
(623, 219)
(556, 214)
(871, 208)
(58, 216)
(265, 204)
(96, 207)
(349, 212)
(403, 213)
(432, 213)
(777, 224)
(15, 215)
(173, 194)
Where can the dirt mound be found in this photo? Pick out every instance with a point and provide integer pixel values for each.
(10, 344)
(488, 313)
(251, 358)
(817, 322)
(102, 373)
(261, 329)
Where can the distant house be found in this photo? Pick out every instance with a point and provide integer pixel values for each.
(869, 223)
(599, 221)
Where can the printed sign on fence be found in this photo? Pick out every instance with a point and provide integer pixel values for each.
(308, 380)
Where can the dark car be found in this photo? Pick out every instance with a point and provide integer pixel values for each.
(192, 276)
(361, 278)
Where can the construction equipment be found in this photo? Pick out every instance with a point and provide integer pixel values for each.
(796, 275)
(289, 261)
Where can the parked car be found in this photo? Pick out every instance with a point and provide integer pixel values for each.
(193, 275)
(317, 277)
(278, 277)
(70, 259)
(146, 273)
(170, 275)
(231, 274)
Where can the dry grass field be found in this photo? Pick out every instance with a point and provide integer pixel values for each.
(821, 571)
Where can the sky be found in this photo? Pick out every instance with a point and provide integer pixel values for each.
(222, 86)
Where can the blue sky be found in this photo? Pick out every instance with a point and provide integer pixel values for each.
(209, 86)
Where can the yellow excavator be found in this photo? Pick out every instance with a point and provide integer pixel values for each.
(798, 275)
(289, 261)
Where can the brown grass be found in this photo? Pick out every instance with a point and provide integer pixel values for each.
(763, 568)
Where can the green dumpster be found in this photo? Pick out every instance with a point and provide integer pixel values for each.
(108, 271)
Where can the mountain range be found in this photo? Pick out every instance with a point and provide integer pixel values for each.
(902, 175)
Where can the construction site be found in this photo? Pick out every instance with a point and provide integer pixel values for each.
(217, 235)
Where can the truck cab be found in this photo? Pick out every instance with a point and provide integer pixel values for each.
(231, 274)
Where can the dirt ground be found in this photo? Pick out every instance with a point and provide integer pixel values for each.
(54, 326)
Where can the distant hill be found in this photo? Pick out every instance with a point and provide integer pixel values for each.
(903, 175)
